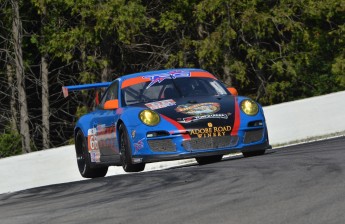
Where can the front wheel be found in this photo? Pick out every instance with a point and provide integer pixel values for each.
(84, 161)
(209, 159)
(126, 153)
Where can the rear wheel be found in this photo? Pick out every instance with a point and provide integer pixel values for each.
(126, 153)
(84, 161)
(209, 159)
(254, 153)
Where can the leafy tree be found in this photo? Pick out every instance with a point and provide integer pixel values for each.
(10, 142)
(272, 51)
(269, 50)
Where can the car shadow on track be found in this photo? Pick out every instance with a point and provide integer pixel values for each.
(230, 157)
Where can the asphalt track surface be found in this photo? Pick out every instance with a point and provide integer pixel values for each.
(296, 184)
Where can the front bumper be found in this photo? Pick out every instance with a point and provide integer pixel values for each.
(193, 154)
(177, 146)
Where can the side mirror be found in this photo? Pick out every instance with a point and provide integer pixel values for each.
(233, 91)
(111, 105)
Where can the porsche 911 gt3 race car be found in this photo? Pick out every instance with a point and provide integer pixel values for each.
(166, 115)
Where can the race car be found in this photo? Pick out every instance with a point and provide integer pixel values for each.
(166, 115)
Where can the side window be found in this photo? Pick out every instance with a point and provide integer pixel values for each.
(111, 93)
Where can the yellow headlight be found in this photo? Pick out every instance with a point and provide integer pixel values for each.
(149, 117)
(249, 107)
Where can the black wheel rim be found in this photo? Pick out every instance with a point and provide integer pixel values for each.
(81, 156)
(123, 151)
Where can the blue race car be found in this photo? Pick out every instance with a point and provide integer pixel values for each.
(166, 115)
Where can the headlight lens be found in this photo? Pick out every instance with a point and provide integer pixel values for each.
(249, 107)
(149, 117)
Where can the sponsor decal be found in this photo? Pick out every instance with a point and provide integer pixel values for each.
(210, 131)
(168, 75)
(92, 139)
(198, 109)
(139, 145)
(93, 145)
(104, 132)
(95, 156)
(203, 117)
(101, 137)
(160, 104)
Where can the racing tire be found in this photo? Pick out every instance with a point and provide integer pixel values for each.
(254, 153)
(208, 159)
(126, 153)
(84, 161)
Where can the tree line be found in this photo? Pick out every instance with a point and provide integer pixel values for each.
(271, 50)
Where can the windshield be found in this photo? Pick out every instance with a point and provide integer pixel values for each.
(171, 89)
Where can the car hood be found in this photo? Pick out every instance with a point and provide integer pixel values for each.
(209, 116)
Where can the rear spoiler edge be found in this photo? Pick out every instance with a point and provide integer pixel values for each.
(67, 89)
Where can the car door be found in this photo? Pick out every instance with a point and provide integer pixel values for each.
(104, 124)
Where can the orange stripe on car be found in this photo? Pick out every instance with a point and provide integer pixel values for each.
(202, 74)
(134, 81)
(178, 126)
(237, 119)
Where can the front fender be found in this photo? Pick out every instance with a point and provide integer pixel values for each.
(84, 124)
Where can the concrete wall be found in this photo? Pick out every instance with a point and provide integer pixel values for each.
(302, 119)
(287, 122)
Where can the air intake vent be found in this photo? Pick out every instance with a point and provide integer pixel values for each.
(162, 145)
(253, 136)
(210, 143)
